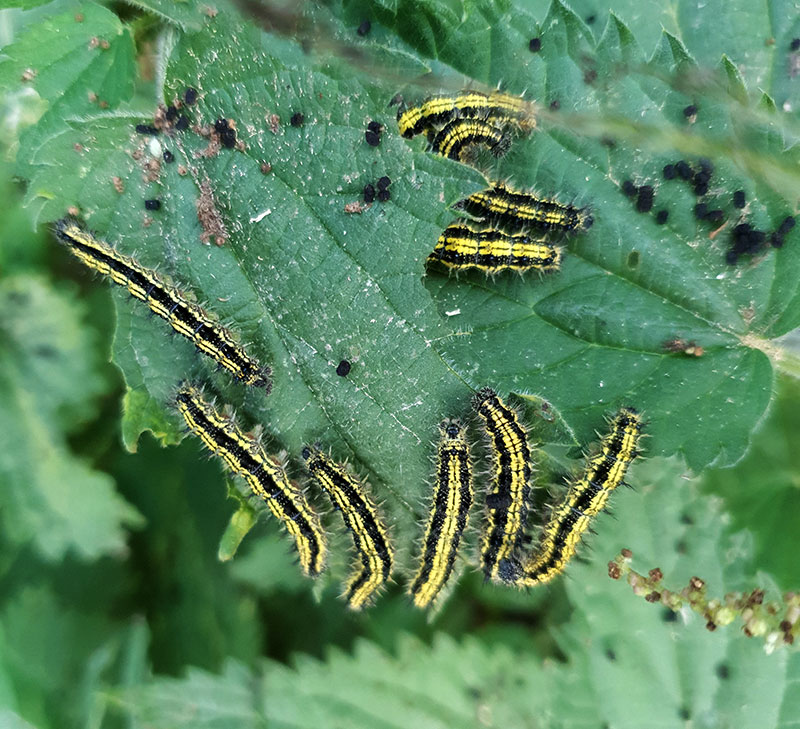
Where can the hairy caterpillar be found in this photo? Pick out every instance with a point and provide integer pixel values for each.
(464, 245)
(449, 516)
(172, 305)
(267, 480)
(361, 518)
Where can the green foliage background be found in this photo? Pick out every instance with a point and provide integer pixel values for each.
(116, 608)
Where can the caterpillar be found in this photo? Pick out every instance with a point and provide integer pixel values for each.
(518, 210)
(172, 305)
(464, 245)
(501, 110)
(507, 501)
(455, 138)
(585, 499)
(267, 480)
(361, 518)
(452, 499)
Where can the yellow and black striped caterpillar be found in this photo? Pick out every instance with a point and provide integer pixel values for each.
(503, 206)
(360, 516)
(465, 245)
(449, 516)
(166, 301)
(497, 108)
(459, 135)
(266, 479)
(508, 498)
(585, 499)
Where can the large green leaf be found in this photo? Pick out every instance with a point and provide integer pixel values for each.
(308, 284)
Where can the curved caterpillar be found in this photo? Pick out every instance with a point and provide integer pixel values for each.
(452, 499)
(519, 210)
(464, 245)
(361, 518)
(501, 110)
(246, 458)
(507, 502)
(585, 499)
(172, 305)
(460, 134)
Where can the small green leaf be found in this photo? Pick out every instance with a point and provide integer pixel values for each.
(242, 521)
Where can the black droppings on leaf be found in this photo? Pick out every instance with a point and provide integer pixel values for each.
(297, 119)
(384, 183)
(795, 44)
(383, 195)
(343, 368)
(369, 193)
(153, 204)
(373, 138)
(146, 129)
(190, 96)
(661, 216)
(738, 199)
(644, 199)
(171, 113)
(745, 240)
(669, 172)
(787, 224)
(168, 156)
(364, 28)
(629, 188)
(228, 138)
(683, 169)
(535, 45)
(182, 123)
(690, 111)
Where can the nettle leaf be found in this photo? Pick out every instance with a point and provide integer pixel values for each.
(48, 387)
(757, 39)
(627, 658)
(308, 276)
(75, 62)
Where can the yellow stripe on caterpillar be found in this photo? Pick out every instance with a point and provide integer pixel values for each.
(360, 516)
(166, 301)
(513, 209)
(459, 135)
(449, 516)
(507, 501)
(465, 245)
(267, 480)
(500, 109)
(585, 499)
